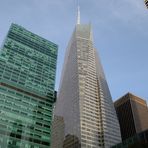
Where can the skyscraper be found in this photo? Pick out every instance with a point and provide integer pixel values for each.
(27, 79)
(132, 112)
(84, 99)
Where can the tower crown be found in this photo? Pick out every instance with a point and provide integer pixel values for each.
(78, 14)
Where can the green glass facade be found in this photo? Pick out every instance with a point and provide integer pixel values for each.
(139, 140)
(27, 80)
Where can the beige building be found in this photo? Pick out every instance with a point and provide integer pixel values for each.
(57, 132)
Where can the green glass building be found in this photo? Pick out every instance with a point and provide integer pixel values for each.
(139, 140)
(27, 80)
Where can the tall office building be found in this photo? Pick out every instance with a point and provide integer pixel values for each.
(27, 79)
(84, 99)
(132, 112)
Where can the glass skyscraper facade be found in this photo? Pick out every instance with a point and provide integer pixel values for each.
(27, 80)
(84, 99)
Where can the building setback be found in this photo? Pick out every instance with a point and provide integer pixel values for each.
(27, 79)
(132, 112)
(84, 99)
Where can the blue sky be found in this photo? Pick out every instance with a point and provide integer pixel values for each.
(120, 31)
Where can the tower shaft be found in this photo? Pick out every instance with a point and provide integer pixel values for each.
(84, 99)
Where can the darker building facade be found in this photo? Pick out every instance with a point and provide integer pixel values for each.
(132, 112)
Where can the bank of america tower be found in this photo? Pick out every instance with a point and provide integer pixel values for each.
(84, 99)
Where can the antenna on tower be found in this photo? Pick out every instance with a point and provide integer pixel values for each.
(78, 13)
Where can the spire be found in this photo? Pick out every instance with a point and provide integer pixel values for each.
(78, 13)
